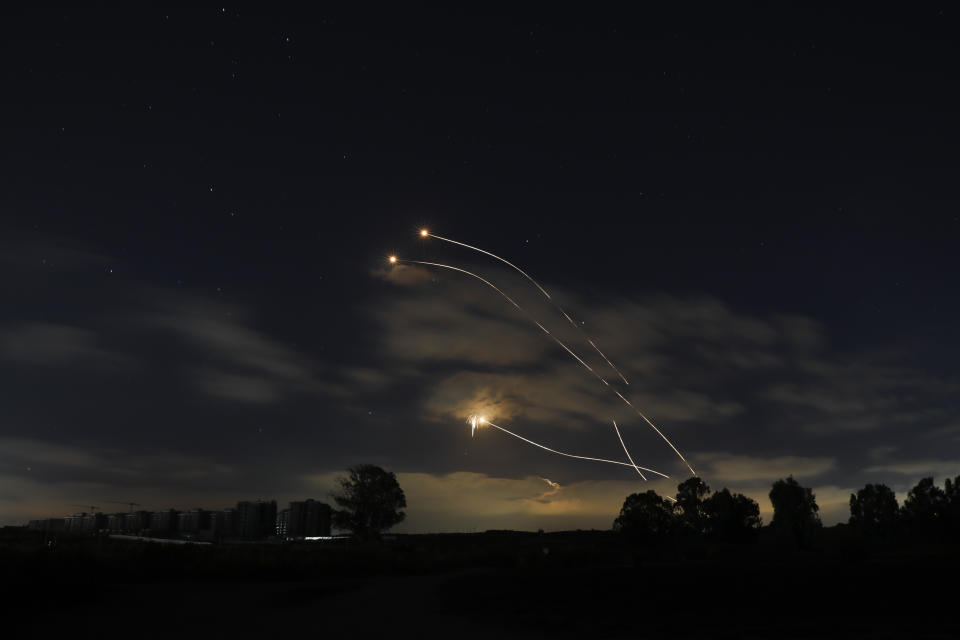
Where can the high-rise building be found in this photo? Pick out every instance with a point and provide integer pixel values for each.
(308, 518)
(283, 520)
(268, 519)
(256, 520)
(193, 521)
(85, 523)
(117, 522)
(49, 525)
(164, 522)
(223, 524)
(137, 521)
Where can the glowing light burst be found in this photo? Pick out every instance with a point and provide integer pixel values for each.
(475, 423)
(562, 345)
(482, 421)
(424, 233)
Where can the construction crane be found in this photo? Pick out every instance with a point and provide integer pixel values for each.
(130, 504)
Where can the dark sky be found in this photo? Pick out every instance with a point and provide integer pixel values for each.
(753, 213)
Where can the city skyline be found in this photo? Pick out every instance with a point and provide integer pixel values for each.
(248, 520)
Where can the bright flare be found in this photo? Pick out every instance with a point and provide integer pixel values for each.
(393, 259)
(475, 423)
(424, 233)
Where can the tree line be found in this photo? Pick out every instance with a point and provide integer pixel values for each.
(929, 513)
(370, 501)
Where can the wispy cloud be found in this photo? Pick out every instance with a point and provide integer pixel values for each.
(918, 468)
(48, 344)
(235, 362)
(741, 469)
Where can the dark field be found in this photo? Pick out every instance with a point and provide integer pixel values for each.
(577, 584)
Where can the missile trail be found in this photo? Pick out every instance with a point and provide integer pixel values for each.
(394, 260)
(660, 433)
(514, 303)
(627, 452)
(570, 455)
(425, 234)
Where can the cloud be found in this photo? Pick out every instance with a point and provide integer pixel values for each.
(44, 253)
(554, 489)
(465, 501)
(744, 469)
(509, 397)
(26, 451)
(240, 363)
(918, 468)
(869, 392)
(403, 274)
(704, 372)
(243, 388)
(22, 498)
(45, 461)
(212, 329)
(48, 344)
(464, 329)
(459, 500)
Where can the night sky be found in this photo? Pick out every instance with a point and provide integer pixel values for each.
(754, 214)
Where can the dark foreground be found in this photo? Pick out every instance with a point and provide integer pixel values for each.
(586, 584)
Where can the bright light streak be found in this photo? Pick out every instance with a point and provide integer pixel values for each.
(519, 308)
(565, 347)
(496, 257)
(660, 433)
(546, 294)
(615, 428)
(597, 349)
(570, 455)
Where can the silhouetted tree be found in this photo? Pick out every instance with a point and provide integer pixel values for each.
(795, 510)
(689, 505)
(646, 516)
(924, 509)
(951, 491)
(731, 517)
(874, 511)
(370, 501)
